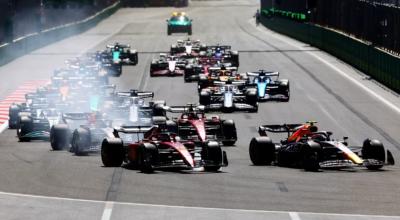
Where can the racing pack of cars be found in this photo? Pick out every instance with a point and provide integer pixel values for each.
(81, 112)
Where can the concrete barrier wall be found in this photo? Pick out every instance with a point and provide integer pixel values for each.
(24, 45)
(378, 64)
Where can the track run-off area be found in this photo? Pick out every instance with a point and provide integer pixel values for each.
(36, 181)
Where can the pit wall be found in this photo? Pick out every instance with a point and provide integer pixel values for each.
(27, 44)
(381, 66)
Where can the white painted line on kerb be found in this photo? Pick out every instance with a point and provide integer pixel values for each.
(108, 207)
(359, 84)
(4, 126)
(294, 216)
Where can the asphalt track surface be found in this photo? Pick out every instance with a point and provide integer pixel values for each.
(322, 88)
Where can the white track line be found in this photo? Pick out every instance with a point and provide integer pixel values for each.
(359, 84)
(188, 207)
(294, 216)
(108, 207)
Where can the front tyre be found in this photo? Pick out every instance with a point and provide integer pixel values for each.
(374, 153)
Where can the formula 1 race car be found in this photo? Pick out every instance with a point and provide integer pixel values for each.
(223, 53)
(167, 66)
(154, 148)
(269, 86)
(121, 53)
(201, 66)
(194, 125)
(127, 108)
(187, 48)
(179, 23)
(36, 124)
(219, 74)
(108, 65)
(310, 149)
(61, 133)
(227, 97)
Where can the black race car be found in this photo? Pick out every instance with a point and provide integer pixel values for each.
(308, 148)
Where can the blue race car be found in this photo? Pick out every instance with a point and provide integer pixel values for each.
(269, 86)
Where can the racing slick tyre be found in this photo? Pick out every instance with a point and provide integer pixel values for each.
(133, 57)
(285, 88)
(112, 152)
(252, 99)
(13, 111)
(169, 31)
(147, 157)
(59, 137)
(229, 133)
(25, 127)
(153, 67)
(262, 151)
(373, 150)
(172, 126)
(80, 141)
(188, 73)
(158, 108)
(213, 156)
(202, 83)
(311, 153)
(190, 30)
(235, 58)
(205, 98)
(173, 49)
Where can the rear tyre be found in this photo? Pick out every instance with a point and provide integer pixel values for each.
(229, 133)
(59, 137)
(112, 152)
(262, 151)
(373, 150)
(80, 141)
(205, 98)
(13, 116)
(285, 88)
(190, 30)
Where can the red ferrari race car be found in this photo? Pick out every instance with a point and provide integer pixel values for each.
(194, 125)
(308, 148)
(152, 148)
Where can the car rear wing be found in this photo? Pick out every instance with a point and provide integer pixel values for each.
(187, 108)
(136, 93)
(76, 116)
(231, 68)
(235, 82)
(119, 45)
(133, 129)
(223, 47)
(263, 73)
(285, 128)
